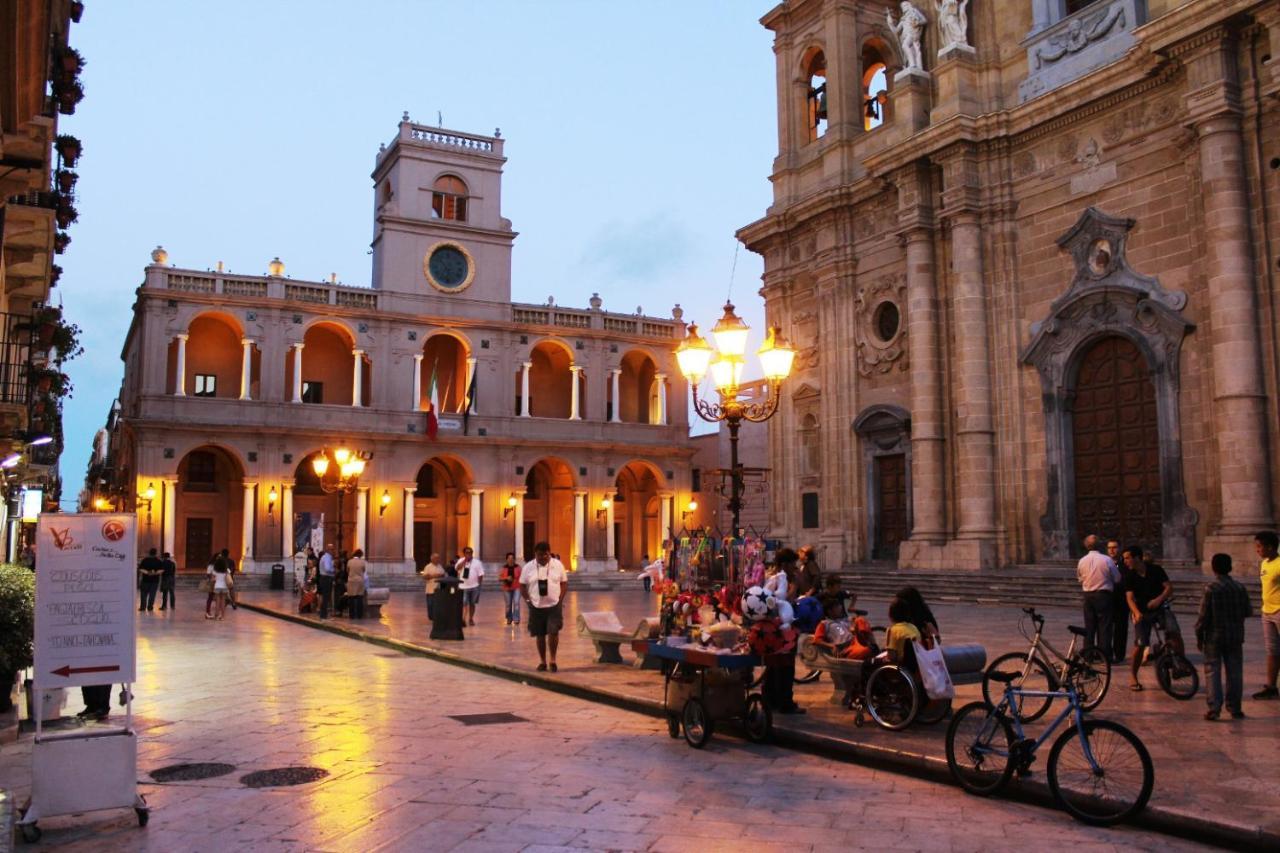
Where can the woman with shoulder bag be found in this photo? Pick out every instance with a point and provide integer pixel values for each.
(221, 586)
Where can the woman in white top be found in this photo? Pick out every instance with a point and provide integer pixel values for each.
(432, 572)
(221, 585)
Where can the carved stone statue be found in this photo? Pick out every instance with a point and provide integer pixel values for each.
(909, 31)
(953, 23)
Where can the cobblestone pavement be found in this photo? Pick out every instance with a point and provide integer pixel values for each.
(1222, 771)
(260, 693)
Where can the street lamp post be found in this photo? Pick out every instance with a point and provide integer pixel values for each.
(339, 471)
(695, 356)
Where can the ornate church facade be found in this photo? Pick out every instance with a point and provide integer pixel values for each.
(485, 423)
(1028, 250)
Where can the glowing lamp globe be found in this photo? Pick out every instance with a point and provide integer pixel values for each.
(730, 333)
(693, 355)
(776, 356)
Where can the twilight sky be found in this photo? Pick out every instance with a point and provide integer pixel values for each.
(640, 134)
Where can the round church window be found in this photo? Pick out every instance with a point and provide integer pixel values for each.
(887, 321)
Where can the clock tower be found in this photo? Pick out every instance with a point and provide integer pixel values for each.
(438, 229)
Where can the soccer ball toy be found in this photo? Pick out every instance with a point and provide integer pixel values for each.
(757, 603)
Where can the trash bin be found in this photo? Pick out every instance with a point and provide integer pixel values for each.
(277, 576)
(447, 604)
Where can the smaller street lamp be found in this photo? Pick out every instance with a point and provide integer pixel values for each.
(384, 502)
(511, 505)
(148, 496)
(695, 356)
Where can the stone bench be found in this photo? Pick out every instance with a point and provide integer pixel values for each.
(606, 634)
(374, 598)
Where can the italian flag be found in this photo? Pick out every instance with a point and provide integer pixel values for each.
(433, 394)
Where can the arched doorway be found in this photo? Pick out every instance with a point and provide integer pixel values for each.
(1115, 435)
(446, 357)
(210, 507)
(328, 367)
(548, 508)
(885, 432)
(637, 514)
(313, 509)
(441, 510)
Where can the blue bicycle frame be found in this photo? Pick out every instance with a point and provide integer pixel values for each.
(1073, 708)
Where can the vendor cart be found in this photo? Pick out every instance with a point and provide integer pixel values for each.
(701, 688)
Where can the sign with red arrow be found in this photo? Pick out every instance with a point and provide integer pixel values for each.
(65, 671)
(85, 620)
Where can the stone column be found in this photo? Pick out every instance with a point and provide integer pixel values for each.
(249, 523)
(409, 492)
(524, 388)
(927, 464)
(664, 529)
(1239, 396)
(574, 403)
(661, 379)
(610, 547)
(416, 404)
(297, 372)
(476, 494)
(579, 517)
(286, 523)
(180, 379)
(469, 404)
(518, 546)
(246, 368)
(168, 538)
(617, 394)
(362, 512)
(357, 377)
(975, 422)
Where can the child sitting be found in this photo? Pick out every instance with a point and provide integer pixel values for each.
(836, 603)
(901, 632)
(851, 642)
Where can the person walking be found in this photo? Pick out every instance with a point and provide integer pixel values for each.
(167, 580)
(221, 573)
(324, 580)
(150, 570)
(1098, 577)
(357, 584)
(543, 583)
(1118, 649)
(1224, 607)
(509, 581)
(433, 572)
(470, 572)
(1267, 544)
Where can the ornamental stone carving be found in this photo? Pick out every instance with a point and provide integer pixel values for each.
(909, 32)
(880, 329)
(953, 25)
(1095, 36)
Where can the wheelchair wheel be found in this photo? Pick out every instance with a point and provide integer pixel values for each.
(758, 719)
(932, 710)
(697, 724)
(892, 700)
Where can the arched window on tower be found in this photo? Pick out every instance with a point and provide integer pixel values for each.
(449, 198)
(875, 86)
(816, 97)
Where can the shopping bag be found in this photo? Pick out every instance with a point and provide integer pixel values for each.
(933, 672)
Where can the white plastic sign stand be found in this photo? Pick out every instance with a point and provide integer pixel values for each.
(84, 634)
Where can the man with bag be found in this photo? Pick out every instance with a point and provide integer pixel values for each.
(543, 583)
(470, 572)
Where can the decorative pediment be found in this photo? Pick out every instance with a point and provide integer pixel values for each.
(1097, 245)
(806, 391)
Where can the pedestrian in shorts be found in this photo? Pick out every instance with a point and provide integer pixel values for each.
(543, 583)
(470, 572)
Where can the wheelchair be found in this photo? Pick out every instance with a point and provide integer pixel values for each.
(891, 693)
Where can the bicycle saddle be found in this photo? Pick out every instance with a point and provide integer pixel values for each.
(1077, 630)
(1004, 677)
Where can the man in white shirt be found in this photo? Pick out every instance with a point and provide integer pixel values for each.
(1098, 577)
(470, 570)
(542, 584)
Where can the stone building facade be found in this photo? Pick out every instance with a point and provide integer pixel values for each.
(1032, 276)
(554, 423)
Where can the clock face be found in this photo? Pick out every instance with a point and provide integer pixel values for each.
(449, 267)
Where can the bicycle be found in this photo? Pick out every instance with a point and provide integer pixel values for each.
(1099, 771)
(1176, 675)
(1088, 670)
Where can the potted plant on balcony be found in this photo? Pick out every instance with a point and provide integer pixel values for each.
(77, 9)
(66, 180)
(68, 148)
(66, 213)
(55, 273)
(70, 61)
(17, 626)
(68, 93)
(60, 242)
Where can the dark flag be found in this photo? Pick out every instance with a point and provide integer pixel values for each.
(470, 402)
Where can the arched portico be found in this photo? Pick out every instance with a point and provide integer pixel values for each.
(209, 507)
(213, 358)
(548, 508)
(328, 368)
(441, 509)
(637, 513)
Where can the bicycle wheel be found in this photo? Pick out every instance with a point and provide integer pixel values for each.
(891, 698)
(1114, 787)
(1091, 676)
(978, 745)
(1038, 677)
(1177, 676)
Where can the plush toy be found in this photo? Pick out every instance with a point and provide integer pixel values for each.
(808, 613)
(758, 603)
(771, 637)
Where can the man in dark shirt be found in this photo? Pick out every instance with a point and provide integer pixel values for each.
(1147, 591)
(1224, 607)
(167, 579)
(150, 569)
(1119, 606)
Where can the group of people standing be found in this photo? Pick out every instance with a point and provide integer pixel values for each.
(334, 581)
(1123, 587)
(540, 583)
(156, 573)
